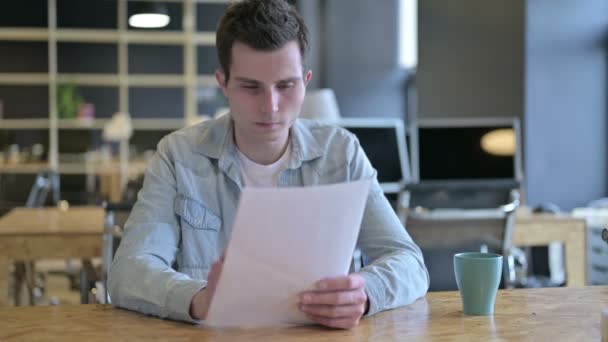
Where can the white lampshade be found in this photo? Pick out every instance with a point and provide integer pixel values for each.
(118, 128)
(320, 104)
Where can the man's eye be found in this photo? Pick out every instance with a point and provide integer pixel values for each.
(286, 85)
(250, 87)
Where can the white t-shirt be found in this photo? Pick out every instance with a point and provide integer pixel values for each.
(263, 176)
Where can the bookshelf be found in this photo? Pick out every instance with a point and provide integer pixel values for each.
(89, 45)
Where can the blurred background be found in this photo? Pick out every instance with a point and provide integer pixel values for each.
(87, 90)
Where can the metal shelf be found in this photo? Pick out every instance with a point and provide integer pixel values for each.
(24, 34)
(87, 35)
(138, 124)
(24, 124)
(24, 168)
(93, 79)
(158, 124)
(149, 80)
(106, 80)
(81, 124)
(18, 78)
(157, 37)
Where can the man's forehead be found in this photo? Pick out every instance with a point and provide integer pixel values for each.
(288, 53)
(252, 65)
(245, 47)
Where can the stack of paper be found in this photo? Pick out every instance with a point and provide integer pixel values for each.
(283, 241)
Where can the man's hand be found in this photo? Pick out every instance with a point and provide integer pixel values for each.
(202, 299)
(336, 302)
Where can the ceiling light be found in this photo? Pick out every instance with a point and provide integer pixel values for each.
(150, 15)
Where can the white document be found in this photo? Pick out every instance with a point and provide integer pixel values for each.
(284, 240)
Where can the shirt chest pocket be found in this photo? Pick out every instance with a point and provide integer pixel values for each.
(200, 228)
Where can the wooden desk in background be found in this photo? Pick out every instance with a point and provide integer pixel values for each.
(110, 178)
(558, 314)
(29, 234)
(109, 173)
(39, 233)
(542, 229)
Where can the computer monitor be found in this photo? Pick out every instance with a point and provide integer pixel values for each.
(383, 140)
(452, 150)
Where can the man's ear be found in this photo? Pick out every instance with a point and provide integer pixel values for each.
(307, 77)
(220, 77)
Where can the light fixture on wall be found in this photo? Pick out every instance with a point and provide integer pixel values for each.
(408, 34)
(150, 15)
(499, 142)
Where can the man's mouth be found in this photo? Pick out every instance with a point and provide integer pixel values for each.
(268, 124)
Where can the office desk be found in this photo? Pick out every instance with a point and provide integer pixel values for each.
(558, 314)
(542, 229)
(38, 233)
(110, 177)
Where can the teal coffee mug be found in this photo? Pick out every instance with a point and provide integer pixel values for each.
(478, 276)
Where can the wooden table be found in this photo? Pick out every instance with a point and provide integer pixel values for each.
(543, 229)
(109, 173)
(110, 177)
(38, 233)
(554, 314)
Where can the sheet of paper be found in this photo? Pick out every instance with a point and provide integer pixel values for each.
(283, 241)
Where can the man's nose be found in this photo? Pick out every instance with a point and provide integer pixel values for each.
(270, 102)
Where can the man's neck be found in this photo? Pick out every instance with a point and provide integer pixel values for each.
(264, 153)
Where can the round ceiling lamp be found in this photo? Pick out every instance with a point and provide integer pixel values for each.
(150, 15)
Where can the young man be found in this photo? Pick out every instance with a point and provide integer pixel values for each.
(185, 211)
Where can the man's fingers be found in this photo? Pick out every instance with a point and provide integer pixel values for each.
(333, 311)
(334, 298)
(216, 268)
(214, 274)
(341, 323)
(349, 282)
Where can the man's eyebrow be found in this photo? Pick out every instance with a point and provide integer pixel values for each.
(250, 80)
(290, 79)
(246, 80)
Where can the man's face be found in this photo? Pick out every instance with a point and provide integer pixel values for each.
(265, 92)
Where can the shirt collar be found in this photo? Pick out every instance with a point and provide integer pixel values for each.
(217, 142)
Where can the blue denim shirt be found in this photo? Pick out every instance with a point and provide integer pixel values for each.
(184, 214)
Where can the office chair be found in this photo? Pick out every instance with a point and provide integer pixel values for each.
(116, 215)
(25, 273)
(45, 181)
(444, 221)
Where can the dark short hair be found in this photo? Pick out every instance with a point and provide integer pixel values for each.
(264, 25)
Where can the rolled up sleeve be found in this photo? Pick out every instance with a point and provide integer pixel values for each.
(396, 274)
(141, 277)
